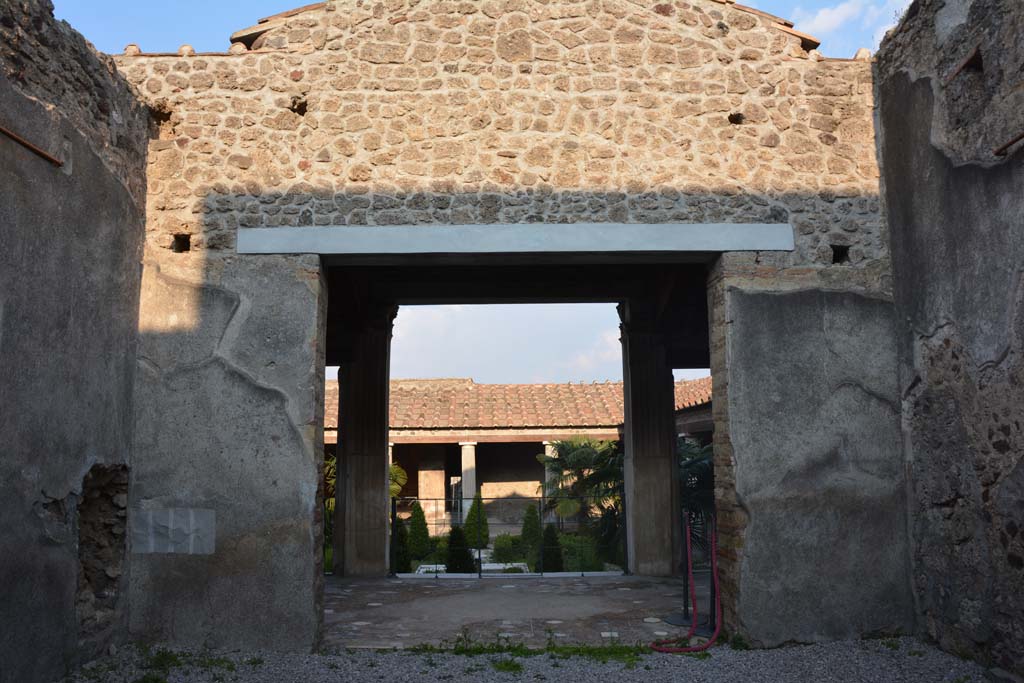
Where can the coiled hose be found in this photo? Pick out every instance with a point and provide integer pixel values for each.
(673, 645)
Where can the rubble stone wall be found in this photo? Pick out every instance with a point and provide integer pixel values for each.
(72, 233)
(950, 97)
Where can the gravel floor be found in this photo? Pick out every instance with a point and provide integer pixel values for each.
(904, 659)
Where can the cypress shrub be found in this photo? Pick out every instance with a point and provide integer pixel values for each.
(580, 553)
(458, 561)
(507, 548)
(529, 536)
(400, 537)
(419, 535)
(550, 560)
(475, 526)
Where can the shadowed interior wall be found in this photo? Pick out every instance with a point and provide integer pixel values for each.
(69, 280)
(950, 99)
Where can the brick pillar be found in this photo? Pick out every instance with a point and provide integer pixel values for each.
(653, 533)
(363, 513)
(468, 475)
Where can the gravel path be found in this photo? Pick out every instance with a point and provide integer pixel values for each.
(903, 659)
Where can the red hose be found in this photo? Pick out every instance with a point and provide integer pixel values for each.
(671, 646)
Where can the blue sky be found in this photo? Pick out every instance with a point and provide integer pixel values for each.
(841, 25)
(554, 343)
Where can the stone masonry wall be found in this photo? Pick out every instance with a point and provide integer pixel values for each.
(444, 112)
(69, 284)
(948, 86)
(407, 111)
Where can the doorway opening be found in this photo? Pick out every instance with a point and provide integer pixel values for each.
(471, 476)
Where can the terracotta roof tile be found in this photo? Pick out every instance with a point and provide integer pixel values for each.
(461, 403)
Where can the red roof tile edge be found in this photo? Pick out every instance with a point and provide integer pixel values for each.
(461, 403)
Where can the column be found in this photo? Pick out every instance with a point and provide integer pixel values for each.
(363, 514)
(549, 479)
(468, 475)
(653, 530)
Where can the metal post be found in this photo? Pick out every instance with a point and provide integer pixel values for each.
(391, 546)
(479, 537)
(625, 540)
(686, 566)
(579, 546)
(712, 616)
(540, 551)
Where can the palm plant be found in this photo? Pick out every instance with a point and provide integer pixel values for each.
(585, 480)
(582, 474)
(697, 481)
(397, 477)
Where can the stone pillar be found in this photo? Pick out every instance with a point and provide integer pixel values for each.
(468, 475)
(362, 516)
(651, 489)
(549, 477)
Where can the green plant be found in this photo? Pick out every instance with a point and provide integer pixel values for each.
(438, 550)
(475, 526)
(419, 535)
(738, 642)
(583, 474)
(697, 479)
(397, 477)
(584, 479)
(464, 645)
(580, 553)
(210, 662)
(507, 665)
(529, 535)
(549, 556)
(507, 548)
(458, 560)
(163, 660)
(254, 661)
(400, 538)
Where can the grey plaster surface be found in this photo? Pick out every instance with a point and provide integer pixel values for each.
(229, 373)
(68, 303)
(816, 435)
(407, 612)
(519, 238)
(957, 248)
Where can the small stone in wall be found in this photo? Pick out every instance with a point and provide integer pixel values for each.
(515, 46)
(242, 161)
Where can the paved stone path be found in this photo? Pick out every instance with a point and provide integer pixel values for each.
(406, 612)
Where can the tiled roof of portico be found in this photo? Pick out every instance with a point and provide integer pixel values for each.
(461, 403)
